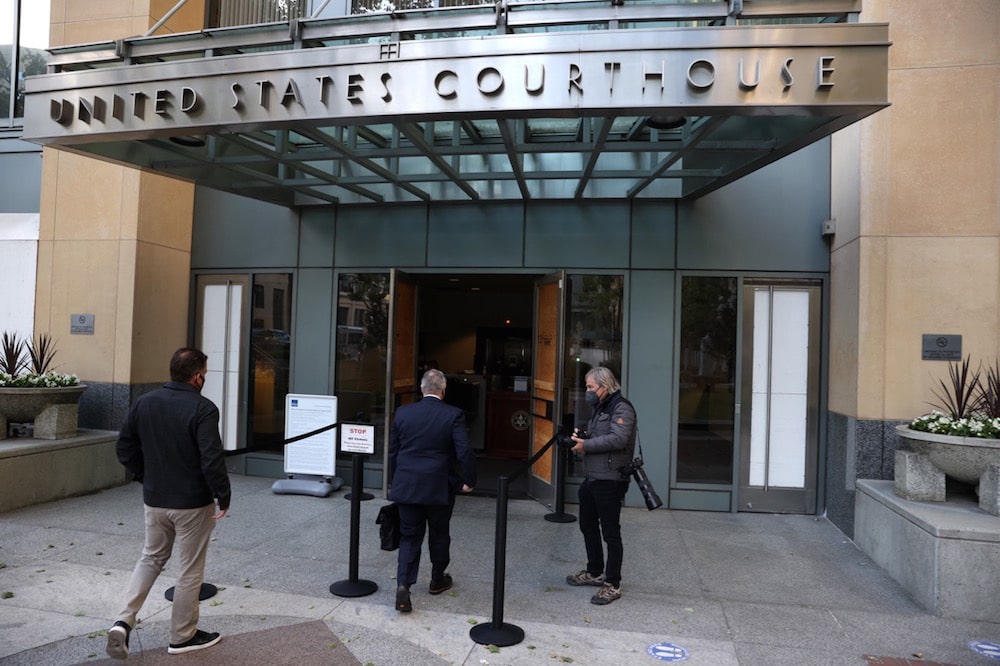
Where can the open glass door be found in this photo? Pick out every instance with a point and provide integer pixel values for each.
(545, 387)
(779, 430)
(402, 383)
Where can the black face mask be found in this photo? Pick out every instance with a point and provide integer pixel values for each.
(592, 399)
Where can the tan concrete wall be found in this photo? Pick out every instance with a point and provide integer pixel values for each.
(922, 255)
(114, 242)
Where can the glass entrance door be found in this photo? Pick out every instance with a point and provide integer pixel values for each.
(545, 395)
(220, 332)
(779, 420)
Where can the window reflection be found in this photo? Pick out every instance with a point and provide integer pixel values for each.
(593, 339)
(270, 351)
(31, 39)
(362, 341)
(706, 408)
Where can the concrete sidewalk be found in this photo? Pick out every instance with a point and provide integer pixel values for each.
(743, 589)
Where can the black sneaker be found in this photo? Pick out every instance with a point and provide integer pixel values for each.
(403, 604)
(439, 586)
(200, 641)
(118, 634)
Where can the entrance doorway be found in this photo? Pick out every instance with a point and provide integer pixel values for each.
(477, 329)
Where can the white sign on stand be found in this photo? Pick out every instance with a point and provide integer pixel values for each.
(357, 438)
(315, 455)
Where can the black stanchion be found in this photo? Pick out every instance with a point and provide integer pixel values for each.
(352, 587)
(559, 515)
(364, 496)
(498, 632)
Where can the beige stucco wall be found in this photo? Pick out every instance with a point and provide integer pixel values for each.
(919, 250)
(114, 242)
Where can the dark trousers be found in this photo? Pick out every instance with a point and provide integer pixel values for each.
(414, 520)
(600, 514)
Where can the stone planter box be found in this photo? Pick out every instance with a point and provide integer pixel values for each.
(921, 471)
(53, 410)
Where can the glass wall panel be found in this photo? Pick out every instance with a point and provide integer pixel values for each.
(362, 342)
(593, 332)
(7, 11)
(270, 350)
(706, 395)
(32, 40)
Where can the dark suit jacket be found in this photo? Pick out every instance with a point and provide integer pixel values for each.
(429, 453)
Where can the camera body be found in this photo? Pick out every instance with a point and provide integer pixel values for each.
(565, 436)
(635, 470)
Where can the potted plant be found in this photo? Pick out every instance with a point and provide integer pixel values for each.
(960, 437)
(32, 392)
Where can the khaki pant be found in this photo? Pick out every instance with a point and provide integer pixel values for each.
(191, 528)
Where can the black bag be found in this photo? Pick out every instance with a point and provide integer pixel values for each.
(388, 519)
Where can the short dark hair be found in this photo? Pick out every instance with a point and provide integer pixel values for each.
(186, 363)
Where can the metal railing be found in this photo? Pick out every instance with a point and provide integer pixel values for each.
(502, 17)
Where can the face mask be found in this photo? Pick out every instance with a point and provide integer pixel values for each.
(591, 398)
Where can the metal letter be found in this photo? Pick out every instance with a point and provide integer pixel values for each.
(442, 75)
(354, 88)
(705, 65)
(541, 81)
(325, 82)
(611, 68)
(385, 78)
(237, 102)
(575, 77)
(61, 111)
(264, 97)
(649, 75)
(483, 74)
(118, 108)
(749, 85)
(189, 100)
(291, 94)
(138, 104)
(824, 70)
(160, 102)
(786, 73)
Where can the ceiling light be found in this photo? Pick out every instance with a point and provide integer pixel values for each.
(665, 122)
(189, 141)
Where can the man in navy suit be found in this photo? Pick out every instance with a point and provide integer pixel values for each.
(430, 460)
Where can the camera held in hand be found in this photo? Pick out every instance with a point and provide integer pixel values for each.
(635, 470)
(565, 436)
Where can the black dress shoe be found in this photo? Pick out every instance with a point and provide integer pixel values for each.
(439, 586)
(403, 604)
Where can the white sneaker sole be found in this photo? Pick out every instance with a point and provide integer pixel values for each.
(117, 648)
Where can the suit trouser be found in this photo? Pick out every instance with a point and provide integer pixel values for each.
(191, 528)
(413, 520)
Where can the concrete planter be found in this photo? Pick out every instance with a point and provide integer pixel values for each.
(962, 458)
(53, 410)
(921, 470)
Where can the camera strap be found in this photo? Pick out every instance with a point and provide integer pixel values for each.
(638, 444)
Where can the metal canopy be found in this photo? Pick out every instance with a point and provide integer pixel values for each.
(442, 149)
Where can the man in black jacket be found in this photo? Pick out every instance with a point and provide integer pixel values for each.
(170, 443)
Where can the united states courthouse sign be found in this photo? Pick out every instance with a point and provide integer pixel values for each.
(790, 70)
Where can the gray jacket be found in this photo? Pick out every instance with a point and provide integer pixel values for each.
(610, 443)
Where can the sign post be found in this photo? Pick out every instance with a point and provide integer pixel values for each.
(360, 441)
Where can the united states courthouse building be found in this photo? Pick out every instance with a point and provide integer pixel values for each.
(752, 211)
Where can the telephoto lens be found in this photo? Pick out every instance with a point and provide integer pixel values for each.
(649, 495)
